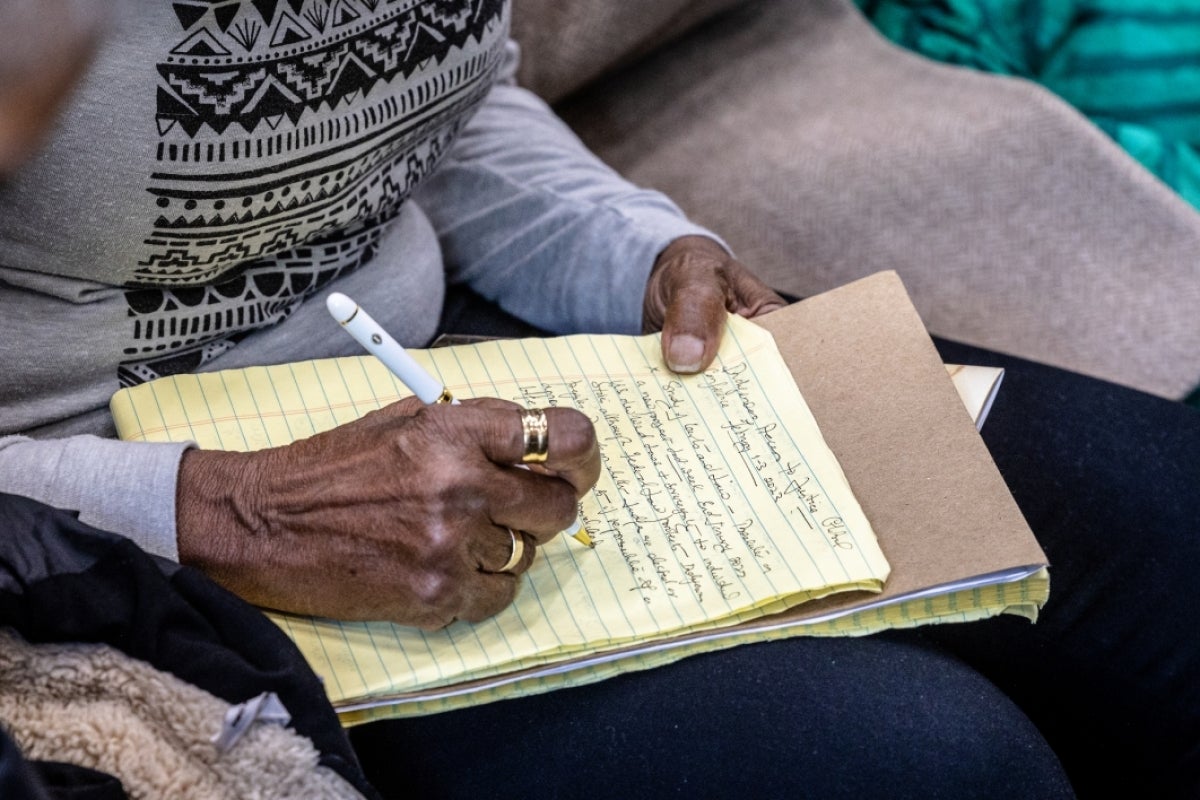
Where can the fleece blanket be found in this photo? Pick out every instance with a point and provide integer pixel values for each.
(93, 706)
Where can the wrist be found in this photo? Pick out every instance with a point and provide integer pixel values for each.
(214, 515)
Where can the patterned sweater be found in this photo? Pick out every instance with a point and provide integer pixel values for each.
(228, 163)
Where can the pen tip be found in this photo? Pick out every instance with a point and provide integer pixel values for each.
(582, 537)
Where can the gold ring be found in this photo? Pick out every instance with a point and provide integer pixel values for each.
(518, 550)
(536, 431)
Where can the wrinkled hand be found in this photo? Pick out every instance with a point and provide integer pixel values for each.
(399, 515)
(693, 284)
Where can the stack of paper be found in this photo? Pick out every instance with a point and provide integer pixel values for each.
(721, 516)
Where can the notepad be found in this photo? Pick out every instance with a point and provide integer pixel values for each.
(720, 511)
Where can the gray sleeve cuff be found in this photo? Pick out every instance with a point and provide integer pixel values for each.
(123, 487)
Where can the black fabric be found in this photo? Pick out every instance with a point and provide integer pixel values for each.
(63, 581)
(73, 782)
(834, 719)
(18, 778)
(465, 312)
(51, 780)
(1109, 480)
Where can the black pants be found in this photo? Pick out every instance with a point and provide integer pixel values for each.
(1100, 697)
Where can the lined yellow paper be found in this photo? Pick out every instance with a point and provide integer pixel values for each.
(718, 503)
(1022, 596)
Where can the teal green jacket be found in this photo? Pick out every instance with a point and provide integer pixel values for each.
(1131, 66)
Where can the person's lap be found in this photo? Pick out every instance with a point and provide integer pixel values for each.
(828, 718)
(1107, 479)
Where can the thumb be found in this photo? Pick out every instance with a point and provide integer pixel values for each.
(694, 322)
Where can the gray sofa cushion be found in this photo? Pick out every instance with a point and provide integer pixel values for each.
(567, 43)
(823, 153)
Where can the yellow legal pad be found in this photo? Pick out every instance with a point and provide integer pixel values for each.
(719, 508)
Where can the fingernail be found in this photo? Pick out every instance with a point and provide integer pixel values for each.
(685, 354)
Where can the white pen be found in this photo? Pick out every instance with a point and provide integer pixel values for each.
(379, 343)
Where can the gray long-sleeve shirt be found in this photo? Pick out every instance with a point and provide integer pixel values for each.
(222, 169)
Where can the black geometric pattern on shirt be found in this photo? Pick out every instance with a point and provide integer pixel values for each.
(275, 214)
(392, 110)
(179, 325)
(213, 221)
(193, 250)
(246, 62)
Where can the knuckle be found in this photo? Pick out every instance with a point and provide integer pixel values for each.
(457, 498)
(437, 592)
(406, 407)
(401, 410)
(442, 541)
(427, 426)
(500, 425)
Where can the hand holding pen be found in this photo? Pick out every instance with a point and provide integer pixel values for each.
(367, 332)
(403, 514)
